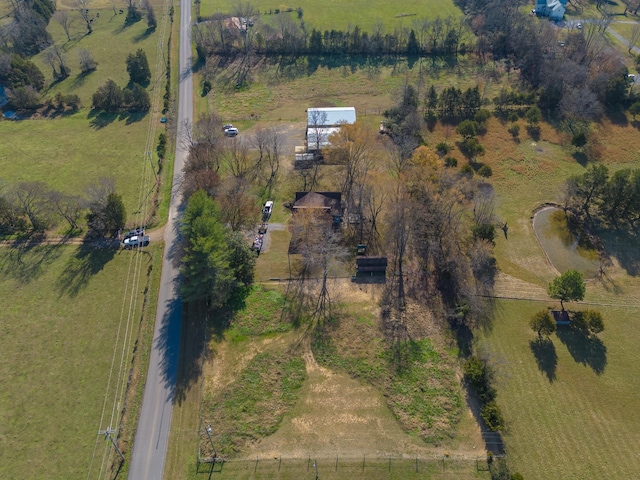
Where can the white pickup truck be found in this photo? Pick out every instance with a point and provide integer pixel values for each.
(136, 241)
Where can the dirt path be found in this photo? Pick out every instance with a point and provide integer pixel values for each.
(154, 236)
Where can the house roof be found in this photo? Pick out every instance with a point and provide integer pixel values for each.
(329, 201)
(330, 116)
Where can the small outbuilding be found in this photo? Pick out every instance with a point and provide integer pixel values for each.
(368, 267)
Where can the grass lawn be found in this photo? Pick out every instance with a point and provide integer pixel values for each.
(64, 326)
(334, 14)
(528, 173)
(576, 416)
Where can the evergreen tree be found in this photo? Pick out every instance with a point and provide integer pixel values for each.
(138, 68)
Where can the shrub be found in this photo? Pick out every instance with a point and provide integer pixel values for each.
(161, 149)
(450, 162)
(206, 87)
(485, 171)
(512, 117)
(484, 231)
(478, 374)
(514, 130)
(468, 129)
(443, 148)
(467, 170)
(492, 416)
(534, 131)
(471, 148)
(482, 116)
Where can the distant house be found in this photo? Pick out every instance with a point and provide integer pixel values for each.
(554, 9)
(322, 122)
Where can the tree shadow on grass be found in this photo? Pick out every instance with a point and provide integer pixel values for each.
(623, 245)
(585, 349)
(99, 119)
(546, 357)
(144, 35)
(134, 117)
(617, 116)
(581, 158)
(90, 258)
(27, 258)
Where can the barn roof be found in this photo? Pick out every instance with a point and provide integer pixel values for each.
(330, 116)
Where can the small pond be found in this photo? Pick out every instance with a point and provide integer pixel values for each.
(561, 245)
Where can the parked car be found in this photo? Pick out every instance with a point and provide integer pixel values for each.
(136, 241)
(133, 233)
(231, 132)
(226, 126)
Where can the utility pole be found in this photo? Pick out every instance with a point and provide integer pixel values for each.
(215, 454)
(107, 435)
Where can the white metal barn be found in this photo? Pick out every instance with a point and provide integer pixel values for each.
(322, 122)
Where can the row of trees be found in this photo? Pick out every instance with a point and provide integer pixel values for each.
(35, 207)
(219, 35)
(610, 200)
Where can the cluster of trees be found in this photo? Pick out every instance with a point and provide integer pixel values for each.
(23, 80)
(25, 33)
(610, 200)
(111, 98)
(285, 36)
(210, 152)
(567, 287)
(35, 207)
(217, 263)
(576, 78)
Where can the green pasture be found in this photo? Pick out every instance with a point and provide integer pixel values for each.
(61, 331)
(71, 151)
(572, 411)
(109, 44)
(335, 14)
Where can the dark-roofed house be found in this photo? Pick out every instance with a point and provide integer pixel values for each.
(326, 208)
(330, 202)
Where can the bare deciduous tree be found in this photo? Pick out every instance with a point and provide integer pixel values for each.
(32, 199)
(65, 21)
(86, 61)
(81, 6)
(269, 144)
(68, 207)
(57, 60)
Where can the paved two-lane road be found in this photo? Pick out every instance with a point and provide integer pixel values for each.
(152, 434)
